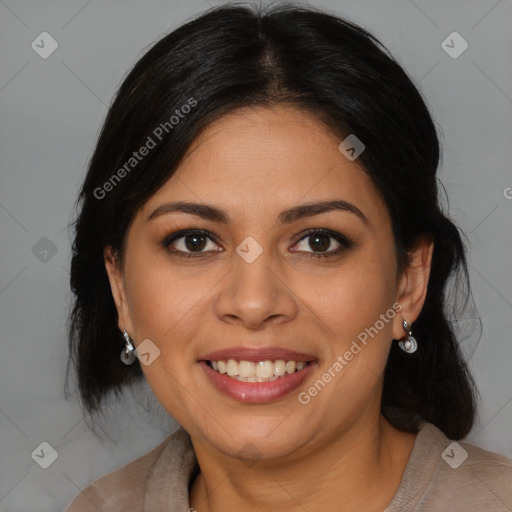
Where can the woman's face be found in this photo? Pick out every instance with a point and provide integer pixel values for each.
(257, 285)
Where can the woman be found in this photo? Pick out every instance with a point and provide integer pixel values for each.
(260, 238)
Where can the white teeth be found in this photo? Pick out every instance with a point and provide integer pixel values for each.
(232, 367)
(246, 369)
(290, 366)
(262, 371)
(279, 367)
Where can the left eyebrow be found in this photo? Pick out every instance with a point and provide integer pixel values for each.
(311, 209)
(216, 214)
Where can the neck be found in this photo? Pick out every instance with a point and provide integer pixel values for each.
(359, 469)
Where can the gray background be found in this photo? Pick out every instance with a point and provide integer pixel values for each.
(51, 113)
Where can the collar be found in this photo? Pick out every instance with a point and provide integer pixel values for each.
(172, 473)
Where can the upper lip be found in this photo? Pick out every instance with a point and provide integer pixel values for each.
(256, 354)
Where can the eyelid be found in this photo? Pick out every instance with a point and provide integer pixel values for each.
(344, 241)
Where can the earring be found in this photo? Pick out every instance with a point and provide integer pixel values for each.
(410, 345)
(128, 353)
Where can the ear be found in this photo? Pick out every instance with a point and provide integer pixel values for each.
(115, 277)
(413, 283)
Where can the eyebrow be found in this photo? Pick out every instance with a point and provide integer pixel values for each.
(213, 213)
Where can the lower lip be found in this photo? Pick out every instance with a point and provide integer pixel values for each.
(257, 392)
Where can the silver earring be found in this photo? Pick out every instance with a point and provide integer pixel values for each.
(410, 344)
(128, 353)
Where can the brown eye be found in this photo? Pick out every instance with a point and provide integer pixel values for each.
(194, 242)
(189, 242)
(321, 240)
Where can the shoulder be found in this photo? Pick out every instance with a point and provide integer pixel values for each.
(463, 476)
(124, 488)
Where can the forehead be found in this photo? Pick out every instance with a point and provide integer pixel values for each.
(257, 161)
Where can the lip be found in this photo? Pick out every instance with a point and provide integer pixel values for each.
(256, 354)
(257, 392)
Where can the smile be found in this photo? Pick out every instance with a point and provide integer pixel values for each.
(259, 371)
(256, 374)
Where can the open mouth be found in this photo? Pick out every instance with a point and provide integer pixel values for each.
(257, 371)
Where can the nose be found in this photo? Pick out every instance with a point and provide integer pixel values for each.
(255, 295)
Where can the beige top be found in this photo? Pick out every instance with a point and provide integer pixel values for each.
(440, 476)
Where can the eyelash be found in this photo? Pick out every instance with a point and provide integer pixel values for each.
(341, 239)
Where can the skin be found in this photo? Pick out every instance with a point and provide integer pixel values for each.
(337, 452)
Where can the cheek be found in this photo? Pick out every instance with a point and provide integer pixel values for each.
(161, 299)
(366, 325)
(166, 309)
(356, 304)
(355, 294)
